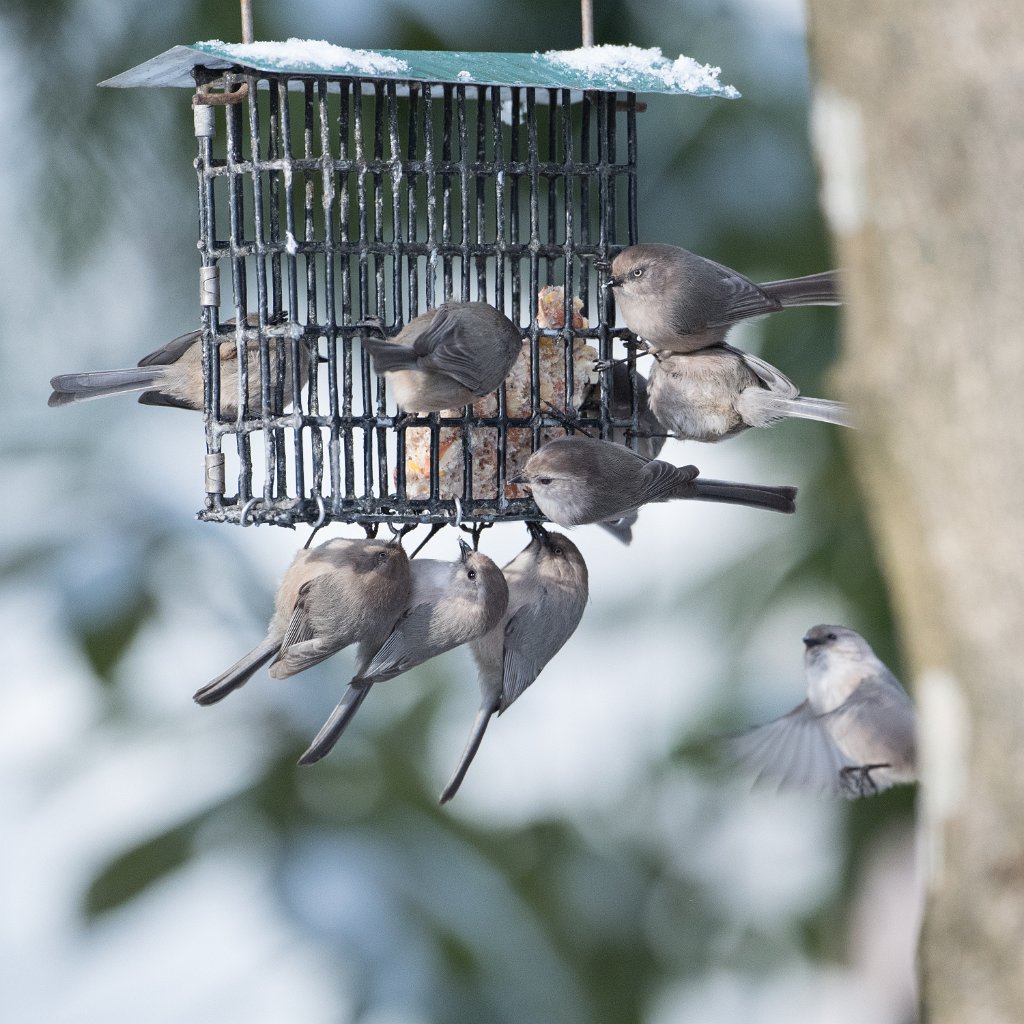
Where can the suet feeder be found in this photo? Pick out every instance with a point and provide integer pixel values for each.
(336, 185)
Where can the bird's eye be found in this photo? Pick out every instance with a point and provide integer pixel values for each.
(471, 574)
(559, 551)
(544, 480)
(382, 557)
(832, 636)
(638, 271)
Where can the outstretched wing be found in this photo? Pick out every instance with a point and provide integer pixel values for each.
(795, 751)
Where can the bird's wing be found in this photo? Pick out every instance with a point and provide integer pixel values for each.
(172, 351)
(299, 628)
(400, 651)
(447, 347)
(659, 481)
(770, 376)
(534, 635)
(736, 297)
(795, 751)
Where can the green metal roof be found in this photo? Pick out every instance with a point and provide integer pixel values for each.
(604, 68)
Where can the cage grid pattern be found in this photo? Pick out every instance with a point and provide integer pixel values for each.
(332, 200)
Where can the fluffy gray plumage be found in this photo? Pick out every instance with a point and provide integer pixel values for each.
(547, 592)
(447, 357)
(854, 735)
(678, 301)
(577, 480)
(449, 604)
(172, 376)
(718, 392)
(336, 594)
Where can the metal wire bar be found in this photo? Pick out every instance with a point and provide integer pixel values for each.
(392, 196)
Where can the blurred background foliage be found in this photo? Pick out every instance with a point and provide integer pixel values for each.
(598, 866)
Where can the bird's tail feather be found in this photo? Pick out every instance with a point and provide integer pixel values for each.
(761, 408)
(80, 387)
(239, 673)
(813, 290)
(776, 499)
(337, 722)
(483, 717)
(387, 356)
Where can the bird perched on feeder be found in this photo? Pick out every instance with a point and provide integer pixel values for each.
(718, 392)
(173, 374)
(447, 357)
(678, 301)
(577, 480)
(648, 439)
(854, 735)
(449, 604)
(341, 592)
(547, 592)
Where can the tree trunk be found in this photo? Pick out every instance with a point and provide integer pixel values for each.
(918, 120)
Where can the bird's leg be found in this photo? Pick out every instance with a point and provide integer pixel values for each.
(569, 417)
(857, 778)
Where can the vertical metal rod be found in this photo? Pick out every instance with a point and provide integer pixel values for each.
(247, 35)
(428, 159)
(587, 21)
(364, 285)
(345, 89)
(481, 193)
(211, 362)
(460, 110)
(383, 486)
(233, 155)
(446, 194)
(534, 285)
(568, 244)
(513, 202)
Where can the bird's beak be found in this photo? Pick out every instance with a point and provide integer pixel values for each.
(537, 532)
(518, 480)
(613, 282)
(812, 641)
(466, 550)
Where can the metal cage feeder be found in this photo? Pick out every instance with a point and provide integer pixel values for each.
(333, 193)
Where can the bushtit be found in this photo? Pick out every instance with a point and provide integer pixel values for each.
(577, 480)
(173, 375)
(680, 302)
(854, 734)
(450, 604)
(446, 357)
(649, 439)
(720, 391)
(547, 592)
(338, 593)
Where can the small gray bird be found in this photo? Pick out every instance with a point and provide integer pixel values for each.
(577, 480)
(680, 302)
(853, 736)
(173, 375)
(720, 391)
(649, 439)
(341, 592)
(447, 357)
(547, 592)
(450, 604)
